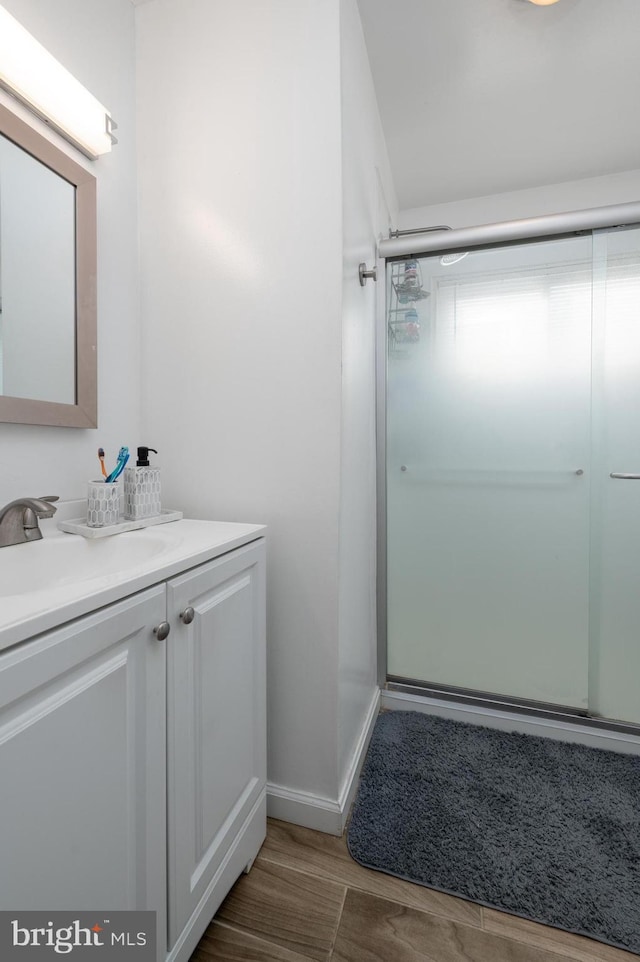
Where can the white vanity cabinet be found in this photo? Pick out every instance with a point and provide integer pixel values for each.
(82, 747)
(123, 752)
(216, 734)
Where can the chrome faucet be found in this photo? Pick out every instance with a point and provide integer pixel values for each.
(19, 519)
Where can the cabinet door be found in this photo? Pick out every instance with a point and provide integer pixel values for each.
(82, 744)
(216, 722)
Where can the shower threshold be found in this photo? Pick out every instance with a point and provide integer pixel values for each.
(494, 702)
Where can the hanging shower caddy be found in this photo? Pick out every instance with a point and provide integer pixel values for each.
(405, 290)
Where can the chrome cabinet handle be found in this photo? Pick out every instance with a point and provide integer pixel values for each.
(188, 615)
(626, 477)
(162, 630)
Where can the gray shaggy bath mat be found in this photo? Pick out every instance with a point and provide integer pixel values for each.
(543, 829)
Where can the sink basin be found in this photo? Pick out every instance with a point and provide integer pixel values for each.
(45, 583)
(65, 559)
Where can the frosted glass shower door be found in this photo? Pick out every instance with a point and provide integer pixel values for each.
(488, 471)
(615, 652)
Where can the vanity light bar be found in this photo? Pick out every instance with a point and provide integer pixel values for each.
(33, 76)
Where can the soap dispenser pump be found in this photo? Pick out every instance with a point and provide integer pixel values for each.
(142, 488)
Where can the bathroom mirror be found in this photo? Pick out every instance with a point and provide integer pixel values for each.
(47, 281)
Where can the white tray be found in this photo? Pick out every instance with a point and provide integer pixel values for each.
(80, 526)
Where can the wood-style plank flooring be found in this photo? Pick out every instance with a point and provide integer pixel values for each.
(306, 899)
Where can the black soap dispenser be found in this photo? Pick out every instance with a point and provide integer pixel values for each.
(142, 488)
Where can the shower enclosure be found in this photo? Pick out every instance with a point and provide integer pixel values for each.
(512, 472)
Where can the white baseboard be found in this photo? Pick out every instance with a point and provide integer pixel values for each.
(565, 731)
(350, 783)
(303, 808)
(316, 811)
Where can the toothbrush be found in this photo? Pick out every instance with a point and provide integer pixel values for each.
(123, 457)
(101, 459)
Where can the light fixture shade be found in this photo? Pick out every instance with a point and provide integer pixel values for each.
(543, 3)
(28, 71)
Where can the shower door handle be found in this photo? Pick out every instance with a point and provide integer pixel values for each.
(626, 477)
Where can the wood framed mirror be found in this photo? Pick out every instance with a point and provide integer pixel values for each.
(48, 266)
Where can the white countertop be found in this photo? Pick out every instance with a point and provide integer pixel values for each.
(46, 583)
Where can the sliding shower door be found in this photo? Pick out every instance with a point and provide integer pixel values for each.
(488, 470)
(513, 472)
(615, 553)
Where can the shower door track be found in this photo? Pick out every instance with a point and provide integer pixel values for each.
(441, 239)
(492, 702)
(486, 698)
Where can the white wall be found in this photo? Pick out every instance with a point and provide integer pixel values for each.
(240, 213)
(241, 237)
(368, 208)
(95, 41)
(554, 198)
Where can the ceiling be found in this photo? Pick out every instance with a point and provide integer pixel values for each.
(483, 96)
